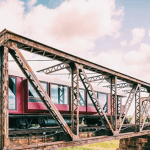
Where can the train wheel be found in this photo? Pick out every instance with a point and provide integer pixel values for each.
(41, 122)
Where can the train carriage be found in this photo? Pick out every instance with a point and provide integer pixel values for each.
(26, 108)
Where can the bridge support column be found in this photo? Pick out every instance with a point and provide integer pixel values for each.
(135, 143)
(4, 110)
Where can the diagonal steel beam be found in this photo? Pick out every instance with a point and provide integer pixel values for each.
(22, 63)
(127, 106)
(54, 68)
(94, 99)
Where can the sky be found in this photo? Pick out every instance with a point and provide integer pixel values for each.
(111, 33)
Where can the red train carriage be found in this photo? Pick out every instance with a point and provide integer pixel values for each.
(25, 107)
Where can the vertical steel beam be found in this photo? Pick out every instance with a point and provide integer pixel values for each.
(4, 111)
(22, 63)
(137, 110)
(75, 98)
(113, 100)
(119, 101)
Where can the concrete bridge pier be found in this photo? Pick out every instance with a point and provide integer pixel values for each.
(135, 143)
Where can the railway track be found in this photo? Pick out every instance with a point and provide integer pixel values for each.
(54, 130)
(48, 130)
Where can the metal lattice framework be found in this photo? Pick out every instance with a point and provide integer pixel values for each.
(11, 42)
(137, 109)
(120, 86)
(54, 68)
(127, 106)
(119, 99)
(113, 100)
(4, 130)
(20, 60)
(145, 113)
(141, 90)
(97, 78)
(93, 97)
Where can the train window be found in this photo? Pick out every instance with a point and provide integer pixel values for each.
(12, 93)
(89, 100)
(33, 97)
(81, 97)
(103, 100)
(59, 94)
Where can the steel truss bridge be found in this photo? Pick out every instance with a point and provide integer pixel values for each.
(12, 43)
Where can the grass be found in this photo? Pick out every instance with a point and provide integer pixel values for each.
(109, 145)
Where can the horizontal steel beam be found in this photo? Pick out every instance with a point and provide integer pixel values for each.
(44, 50)
(54, 68)
(121, 85)
(97, 78)
(141, 90)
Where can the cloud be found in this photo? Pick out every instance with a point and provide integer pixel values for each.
(137, 34)
(30, 3)
(12, 15)
(73, 27)
(123, 43)
(75, 24)
(149, 33)
(134, 63)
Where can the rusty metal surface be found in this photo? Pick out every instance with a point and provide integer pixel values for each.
(137, 110)
(113, 99)
(44, 50)
(4, 113)
(20, 60)
(96, 78)
(119, 103)
(141, 90)
(94, 99)
(83, 141)
(127, 106)
(54, 68)
(144, 113)
(120, 86)
(75, 97)
(14, 42)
